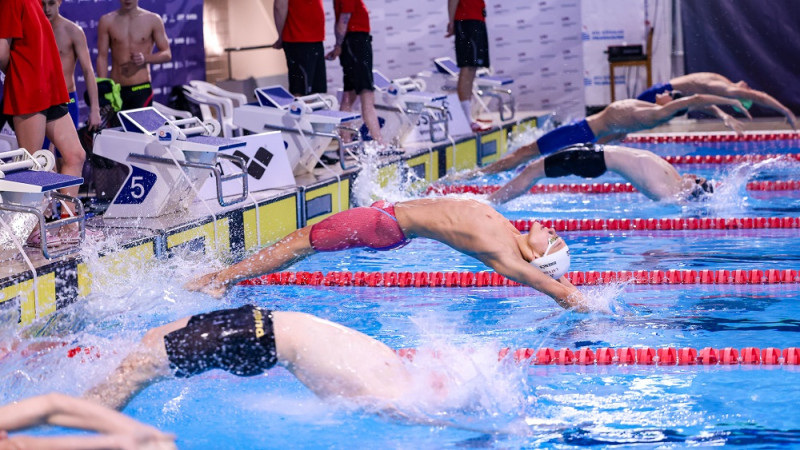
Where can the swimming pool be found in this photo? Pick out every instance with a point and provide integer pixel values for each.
(529, 405)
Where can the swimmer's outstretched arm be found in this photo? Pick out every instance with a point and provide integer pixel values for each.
(654, 116)
(282, 254)
(513, 159)
(763, 99)
(521, 184)
(729, 121)
(65, 411)
(561, 290)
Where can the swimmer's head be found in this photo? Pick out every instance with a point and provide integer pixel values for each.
(697, 188)
(551, 253)
(50, 8)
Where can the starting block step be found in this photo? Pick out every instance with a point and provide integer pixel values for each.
(343, 116)
(31, 181)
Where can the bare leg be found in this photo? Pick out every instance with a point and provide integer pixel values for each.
(141, 368)
(64, 137)
(348, 99)
(520, 184)
(370, 116)
(30, 130)
(333, 360)
(282, 254)
(466, 76)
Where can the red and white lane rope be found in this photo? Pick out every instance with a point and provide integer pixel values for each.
(486, 278)
(647, 356)
(712, 137)
(663, 224)
(604, 356)
(594, 188)
(727, 159)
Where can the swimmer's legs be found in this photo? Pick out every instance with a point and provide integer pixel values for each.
(145, 365)
(333, 360)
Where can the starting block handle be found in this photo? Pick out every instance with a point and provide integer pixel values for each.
(500, 94)
(40, 160)
(356, 144)
(237, 161)
(56, 224)
(433, 121)
(220, 178)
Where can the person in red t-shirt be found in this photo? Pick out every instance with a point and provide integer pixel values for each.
(35, 92)
(468, 23)
(354, 50)
(301, 30)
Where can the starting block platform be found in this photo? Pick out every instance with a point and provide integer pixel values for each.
(26, 188)
(404, 105)
(168, 163)
(310, 125)
(485, 85)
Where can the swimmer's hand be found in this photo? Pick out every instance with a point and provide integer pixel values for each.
(463, 175)
(148, 441)
(208, 284)
(733, 124)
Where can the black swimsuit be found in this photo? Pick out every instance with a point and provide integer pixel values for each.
(240, 341)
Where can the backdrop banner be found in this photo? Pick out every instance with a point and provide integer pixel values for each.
(183, 20)
(536, 43)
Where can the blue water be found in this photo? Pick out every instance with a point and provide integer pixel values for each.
(510, 405)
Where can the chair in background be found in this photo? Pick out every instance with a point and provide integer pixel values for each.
(622, 56)
(171, 113)
(213, 106)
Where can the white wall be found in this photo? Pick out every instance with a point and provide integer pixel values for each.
(552, 48)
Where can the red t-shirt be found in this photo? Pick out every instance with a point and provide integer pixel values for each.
(470, 10)
(34, 78)
(359, 16)
(305, 21)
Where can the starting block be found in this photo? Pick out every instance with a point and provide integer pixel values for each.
(168, 162)
(404, 104)
(309, 124)
(26, 186)
(485, 84)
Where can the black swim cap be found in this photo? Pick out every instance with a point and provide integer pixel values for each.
(701, 190)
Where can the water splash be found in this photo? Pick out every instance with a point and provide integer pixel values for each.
(730, 194)
(459, 382)
(375, 182)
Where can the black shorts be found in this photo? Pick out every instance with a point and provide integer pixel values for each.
(306, 63)
(472, 43)
(52, 113)
(583, 160)
(137, 96)
(356, 59)
(240, 341)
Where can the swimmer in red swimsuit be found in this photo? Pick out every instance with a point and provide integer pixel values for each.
(538, 259)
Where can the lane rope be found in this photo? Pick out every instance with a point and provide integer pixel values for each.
(662, 224)
(594, 188)
(603, 356)
(488, 278)
(629, 356)
(712, 137)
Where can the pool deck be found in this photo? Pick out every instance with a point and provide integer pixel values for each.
(263, 218)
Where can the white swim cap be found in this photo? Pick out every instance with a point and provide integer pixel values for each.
(554, 264)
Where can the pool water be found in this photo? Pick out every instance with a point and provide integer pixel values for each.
(502, 403)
